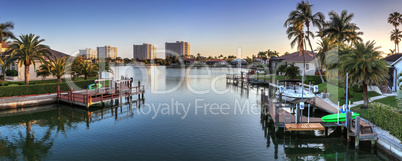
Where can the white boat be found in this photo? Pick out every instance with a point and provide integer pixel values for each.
(294, 94)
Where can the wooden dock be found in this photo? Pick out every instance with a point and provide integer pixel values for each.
(122, 88)
(275, 110)
(304, 127)
(244, 78)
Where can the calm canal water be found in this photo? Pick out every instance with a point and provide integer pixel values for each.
(187, 115)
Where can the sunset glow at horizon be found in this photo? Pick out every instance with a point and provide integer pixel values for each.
(211, 27)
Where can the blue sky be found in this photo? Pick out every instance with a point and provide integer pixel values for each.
(211, 27)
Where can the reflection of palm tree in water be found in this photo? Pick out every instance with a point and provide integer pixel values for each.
(34, 149)
(28, 146)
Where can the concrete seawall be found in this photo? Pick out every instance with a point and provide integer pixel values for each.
(390, 144)
(27, 101)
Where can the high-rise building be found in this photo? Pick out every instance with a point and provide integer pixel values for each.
(180, 48)
(107, 52)
(144, 51)
(88, 53)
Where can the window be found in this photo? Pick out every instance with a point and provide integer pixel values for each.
(307, 66)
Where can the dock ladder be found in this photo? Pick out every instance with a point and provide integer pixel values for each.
(287, 119)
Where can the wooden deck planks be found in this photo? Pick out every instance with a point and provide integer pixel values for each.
(304, 127)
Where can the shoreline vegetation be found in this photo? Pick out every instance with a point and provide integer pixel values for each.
(340, 47)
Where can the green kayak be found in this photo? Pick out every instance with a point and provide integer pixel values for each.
(92, 86)
(334, 117)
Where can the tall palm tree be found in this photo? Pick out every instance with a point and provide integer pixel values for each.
(396, 36)
(5, 30)
(365, 67)
(296, 31)
(26, 50)
(303, 14)
(395, 19)
(341, 28)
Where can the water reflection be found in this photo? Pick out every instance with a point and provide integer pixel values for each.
(30, 135)
(123, 132)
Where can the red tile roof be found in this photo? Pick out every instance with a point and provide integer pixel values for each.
(4, 45)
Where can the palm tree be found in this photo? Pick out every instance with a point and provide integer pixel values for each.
(396, 36)
(58, 67)
(395, 19)
(103, 66)
(303, 14)
(341, 29)
(365, 67)
(88, 69)
(26, 50)
(325, 45)
(43, 71)
(5, 31)
(292, 71)
(296, 31)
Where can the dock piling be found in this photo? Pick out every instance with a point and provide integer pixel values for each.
(357, 132)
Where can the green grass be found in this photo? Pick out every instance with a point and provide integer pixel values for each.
(390, 101)
(336, 93)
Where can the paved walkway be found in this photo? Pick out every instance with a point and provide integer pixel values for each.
(372, 99)
(329, 102)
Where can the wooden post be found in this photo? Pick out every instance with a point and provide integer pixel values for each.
(262, 97)
(258, 76)
(357, 132)
(139, 83)
(112, 97)
(87, 97)
(348, 125)
(71, 96)
(58, 94)
(276, 113)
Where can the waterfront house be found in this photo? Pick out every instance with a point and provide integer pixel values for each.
(297, 59)
(33, 68)
(261, 60)
(395, 67)
(189, 60)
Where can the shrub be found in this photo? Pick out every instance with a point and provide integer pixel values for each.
(7, 91)
(315, 79)
(12, 73)
(386, 117)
